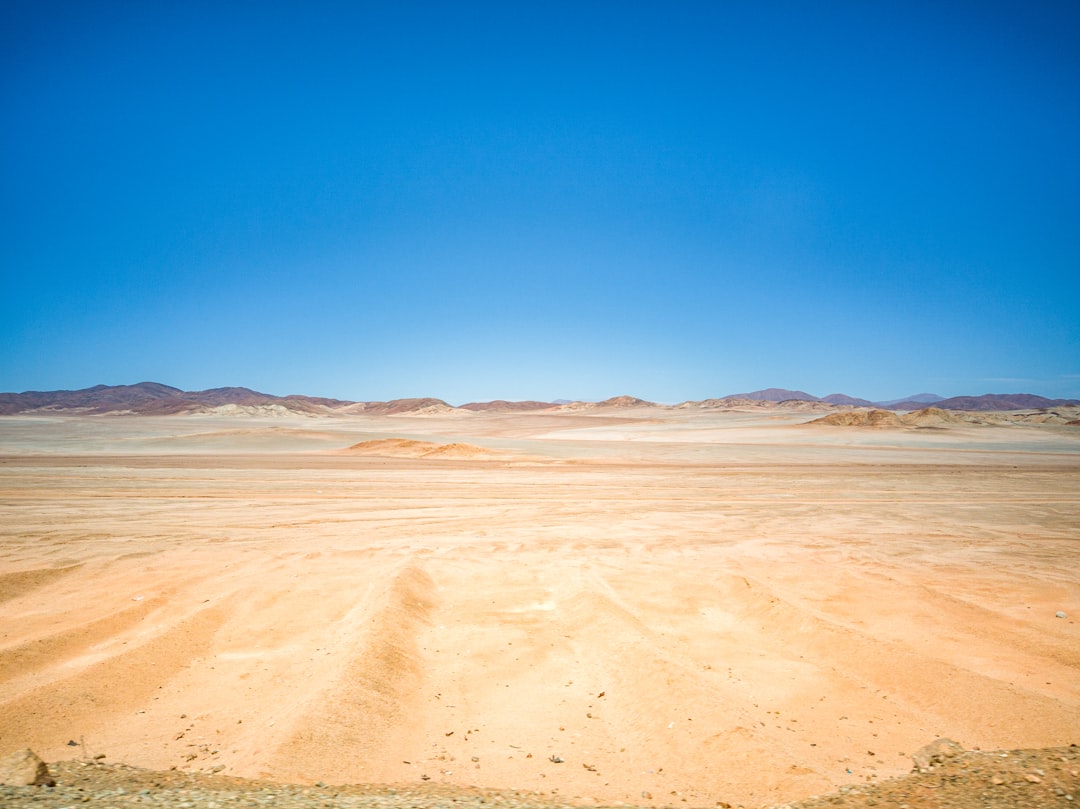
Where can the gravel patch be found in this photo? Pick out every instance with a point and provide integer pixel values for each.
(1012, 779)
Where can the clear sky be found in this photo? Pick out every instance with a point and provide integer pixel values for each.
(541, 200)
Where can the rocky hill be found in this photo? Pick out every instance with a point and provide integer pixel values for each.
(987, 401)
(503, 406)
(153, 398)
(775, 395)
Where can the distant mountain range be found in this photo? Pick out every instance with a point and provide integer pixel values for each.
(988, 401)
(153, 398)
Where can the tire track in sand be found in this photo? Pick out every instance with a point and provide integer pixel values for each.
(13, 585)
(39, 653)
(347, 728)
(87, 702)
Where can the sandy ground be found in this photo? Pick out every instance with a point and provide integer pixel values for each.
(652, 606)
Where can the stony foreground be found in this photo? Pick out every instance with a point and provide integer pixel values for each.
(1047, 777)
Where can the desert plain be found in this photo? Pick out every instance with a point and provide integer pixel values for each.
(640, 605)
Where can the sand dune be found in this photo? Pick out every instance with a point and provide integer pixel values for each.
(410, 448)
(696, 609)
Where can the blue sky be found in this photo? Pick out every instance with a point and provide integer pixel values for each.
(541, 200)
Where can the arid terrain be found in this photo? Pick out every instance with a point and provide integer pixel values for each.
(637, 604)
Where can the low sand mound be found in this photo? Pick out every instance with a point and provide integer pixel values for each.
(397, 447)
(460, 451)
(409, 448)
(861, 418)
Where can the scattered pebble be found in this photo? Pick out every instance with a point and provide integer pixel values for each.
(965, 780)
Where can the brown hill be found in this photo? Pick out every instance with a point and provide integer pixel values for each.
(935, 417)
(153, 398)
(1004, 401)
(991, 401)
(218, 399)
(775, 395)
(844, 399)
(501, 405)
(624, 401)
(861, 418)
(615, 402)
(399, 407)
(98, 399)
(877, 417)
(906, 405)
(703, 404)
(916, 399)
(734, 403)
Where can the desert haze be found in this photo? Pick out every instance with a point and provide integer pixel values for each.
(622, 603)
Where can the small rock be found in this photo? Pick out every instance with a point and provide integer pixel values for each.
(1060, 614)
(935, 753)
(1032, 778)
(23, 769)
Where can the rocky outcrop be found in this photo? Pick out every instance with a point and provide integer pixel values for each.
(24, 769)
(937, 752)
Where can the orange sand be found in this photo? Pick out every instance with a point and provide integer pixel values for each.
(681, 606)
